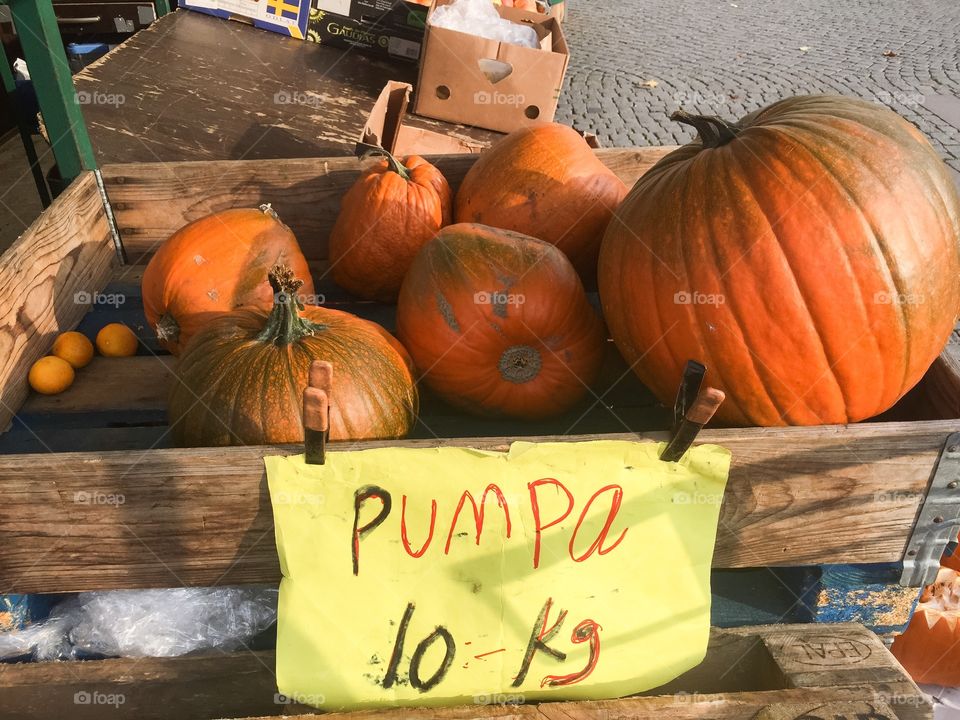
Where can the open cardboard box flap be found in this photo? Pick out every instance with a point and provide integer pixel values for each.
(385, 128)
(468, 79)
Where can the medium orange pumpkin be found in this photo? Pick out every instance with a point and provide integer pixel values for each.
(929, 649)
(808, 255)
(391, 211)
(214, 265)
(241, 378)
(544, 181)
(499, 324)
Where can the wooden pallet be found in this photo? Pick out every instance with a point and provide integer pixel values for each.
(813, 526)
(777, 672)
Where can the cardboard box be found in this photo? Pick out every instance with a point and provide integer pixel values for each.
(387, 41)
(385, 128)
(394, 13)
(475, 81)
(287, 17)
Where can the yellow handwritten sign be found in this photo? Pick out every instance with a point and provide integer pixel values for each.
(441, 576)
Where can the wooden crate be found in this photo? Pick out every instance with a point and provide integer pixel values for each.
(777, 672)
(813, 526)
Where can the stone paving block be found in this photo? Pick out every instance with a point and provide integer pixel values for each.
(730, 61)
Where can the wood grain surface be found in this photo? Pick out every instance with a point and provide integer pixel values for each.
(195, 87)
(47, 280)
(152, 200)
(159, 518)
(750, 672)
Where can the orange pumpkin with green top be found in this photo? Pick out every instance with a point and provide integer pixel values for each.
(242, 376)
(388, 214)
(808, 255)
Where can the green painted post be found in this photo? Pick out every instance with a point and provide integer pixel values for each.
(162, 7)
(36, 25)
(26, 136)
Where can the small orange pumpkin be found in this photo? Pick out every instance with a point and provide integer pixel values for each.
(214, 265)
(546, 182)
(392, 211)
(499, 324)
(930, 647)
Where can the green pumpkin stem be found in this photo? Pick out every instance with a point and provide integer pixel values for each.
(394, 164)
(284, 325)
(714, 132)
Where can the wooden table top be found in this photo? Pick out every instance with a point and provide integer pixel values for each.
(195, 87)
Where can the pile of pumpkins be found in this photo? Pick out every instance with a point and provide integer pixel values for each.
(808, 255)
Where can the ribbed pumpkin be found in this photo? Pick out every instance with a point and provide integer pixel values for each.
(392, 210)
(544, 181)
(214, 265)
(929, 649)
(241, 378)
(808, 255)
(499, 324)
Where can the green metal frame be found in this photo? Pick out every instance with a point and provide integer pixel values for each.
(24, 126)
(36, 24)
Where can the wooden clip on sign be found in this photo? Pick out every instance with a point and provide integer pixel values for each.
(316, 412)
(692, 410)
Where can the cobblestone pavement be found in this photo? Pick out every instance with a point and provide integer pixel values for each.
(635, 61)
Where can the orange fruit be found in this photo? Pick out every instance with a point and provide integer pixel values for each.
(75, 348)
(116, 340)
(51, 375)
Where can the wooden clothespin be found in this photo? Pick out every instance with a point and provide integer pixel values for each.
(316, 411)
(692, 410)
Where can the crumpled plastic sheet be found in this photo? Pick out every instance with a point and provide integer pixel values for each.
(480, 17)
(146, 623)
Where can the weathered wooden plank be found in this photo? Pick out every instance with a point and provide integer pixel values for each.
(64, 257)
(796, 496)
(112, 384)
(151, 200)
(942, 381)
(744, 672)
(237, 93)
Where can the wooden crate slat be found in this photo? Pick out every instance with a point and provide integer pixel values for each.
(67, 251)
(81, 521)
(152, 200)
(745, 670)
(111, 384)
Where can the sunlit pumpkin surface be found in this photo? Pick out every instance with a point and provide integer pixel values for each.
(214, 265)
(546, 182)
(808, 256)
(498, 323)
(929, 649)
(392, 211)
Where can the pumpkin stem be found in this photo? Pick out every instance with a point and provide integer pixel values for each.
(284, 324)
(394, 164)
(714, 132)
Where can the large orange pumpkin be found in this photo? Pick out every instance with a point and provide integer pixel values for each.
(808, 255)
(214, 265)
(391, 211)
(241, 378)
(929, 649)
(544, 181)
(499, 324)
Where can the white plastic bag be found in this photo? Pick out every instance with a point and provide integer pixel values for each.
(146, 623)
(480, 17)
